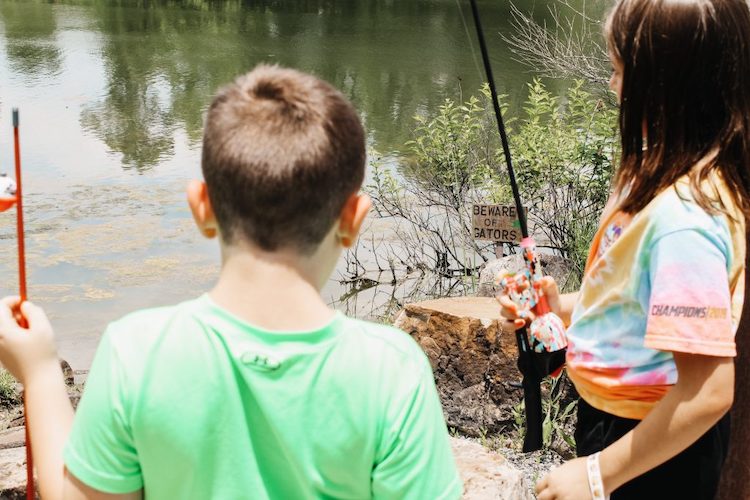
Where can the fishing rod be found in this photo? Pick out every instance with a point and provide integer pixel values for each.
(19, 212)
(541, 343)
(22, 288)
(11, 193)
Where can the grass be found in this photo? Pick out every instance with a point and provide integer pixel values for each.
(9, 396)
(559, 413)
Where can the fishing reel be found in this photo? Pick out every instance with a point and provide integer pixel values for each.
(546, 331)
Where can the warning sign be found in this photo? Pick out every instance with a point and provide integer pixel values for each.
(496, 223)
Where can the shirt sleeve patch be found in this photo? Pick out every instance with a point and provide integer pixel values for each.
(690, 308)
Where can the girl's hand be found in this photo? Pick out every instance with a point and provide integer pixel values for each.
(570, 481)
(509, 309)
(548, 286)
(25, 351)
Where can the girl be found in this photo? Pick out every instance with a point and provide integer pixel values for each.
(651, 333)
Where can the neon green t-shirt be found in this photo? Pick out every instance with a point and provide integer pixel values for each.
(192, 402)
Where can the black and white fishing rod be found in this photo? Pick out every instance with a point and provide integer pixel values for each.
(545, 354)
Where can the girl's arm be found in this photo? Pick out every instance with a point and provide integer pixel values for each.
(703, 394)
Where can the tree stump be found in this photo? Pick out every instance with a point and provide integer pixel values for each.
(473, 360)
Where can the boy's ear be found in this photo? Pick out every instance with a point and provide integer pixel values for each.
(200, 206)
(352, 217)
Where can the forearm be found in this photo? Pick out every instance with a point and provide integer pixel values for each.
(49, 416)
(680, 419)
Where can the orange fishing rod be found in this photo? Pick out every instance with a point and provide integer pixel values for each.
(19, 213)
(22, 289)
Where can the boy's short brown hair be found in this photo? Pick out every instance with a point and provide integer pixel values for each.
(282, 152)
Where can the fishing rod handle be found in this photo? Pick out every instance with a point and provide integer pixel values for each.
(532, 393)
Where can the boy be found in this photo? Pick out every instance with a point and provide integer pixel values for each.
(256, 389)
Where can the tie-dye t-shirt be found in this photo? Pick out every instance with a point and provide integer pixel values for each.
(668, 279)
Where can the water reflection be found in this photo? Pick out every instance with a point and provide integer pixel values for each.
(377, 297)
(30, 40)
(162, 60)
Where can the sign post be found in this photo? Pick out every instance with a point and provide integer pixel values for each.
(498, 223)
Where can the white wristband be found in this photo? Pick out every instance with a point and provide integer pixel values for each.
(596, 485)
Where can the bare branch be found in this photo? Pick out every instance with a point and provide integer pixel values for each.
(573, 48)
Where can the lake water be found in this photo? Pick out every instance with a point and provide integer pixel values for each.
(112, 93)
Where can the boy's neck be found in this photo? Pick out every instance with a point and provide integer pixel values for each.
(269, 290)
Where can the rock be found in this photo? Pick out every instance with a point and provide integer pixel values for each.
(67, 373)
(13, 473)
(474, 362)
(18, 421)
(12, 438)
(488, 475)
(534, 465)
(492, 268)
(553, 265)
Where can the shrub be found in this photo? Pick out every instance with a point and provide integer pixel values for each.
(451, 167)
(565, 153)
(564, 150)
(8, 394)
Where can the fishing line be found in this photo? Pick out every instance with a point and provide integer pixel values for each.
(468, 37)
(500, 122)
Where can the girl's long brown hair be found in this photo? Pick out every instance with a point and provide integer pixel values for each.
(686, 88)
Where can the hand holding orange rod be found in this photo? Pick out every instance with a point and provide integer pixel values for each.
(22, 285)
